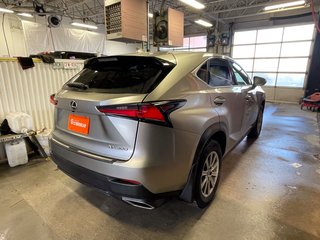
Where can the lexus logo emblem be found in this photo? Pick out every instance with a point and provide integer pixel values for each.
(73, 105)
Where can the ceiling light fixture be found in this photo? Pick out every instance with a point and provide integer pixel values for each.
(150, 15)
(84, 25)
(203, 23)
(4, 10)
(284, 5)
(25, 15)
(193, 3)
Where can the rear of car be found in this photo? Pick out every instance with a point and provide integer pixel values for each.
(113, 134)
(146, 127)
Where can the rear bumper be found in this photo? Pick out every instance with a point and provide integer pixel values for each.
(159, 163)
(110, 185)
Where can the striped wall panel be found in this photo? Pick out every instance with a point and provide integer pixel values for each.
(29, 90)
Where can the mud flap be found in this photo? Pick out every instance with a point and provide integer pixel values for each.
(188, 191)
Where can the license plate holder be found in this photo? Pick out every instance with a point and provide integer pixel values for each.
(79, 124)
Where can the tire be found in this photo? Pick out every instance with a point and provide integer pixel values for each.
(206, 182)
(256, 129)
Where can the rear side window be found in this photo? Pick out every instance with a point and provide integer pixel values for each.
(219, 73)
(216, 73)
(121, 74)
(203, 72)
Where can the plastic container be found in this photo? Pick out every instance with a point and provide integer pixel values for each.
(19, 122)
(43, 139)
(16, 153)
(26, 122)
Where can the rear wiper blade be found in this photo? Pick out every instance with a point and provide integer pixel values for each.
(78, 85)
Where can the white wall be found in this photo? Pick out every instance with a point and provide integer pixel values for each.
(40, 38)
(113, 48)
(37, 37)
(25, 37)
(12, 41)
(283, 94)
(29, 90)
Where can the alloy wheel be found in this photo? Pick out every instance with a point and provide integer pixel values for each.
(210, 173)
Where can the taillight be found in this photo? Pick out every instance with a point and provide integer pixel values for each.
(154, 112)
(53, 99)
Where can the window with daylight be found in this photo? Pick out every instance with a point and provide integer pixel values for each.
(190, 44)
(280, 55)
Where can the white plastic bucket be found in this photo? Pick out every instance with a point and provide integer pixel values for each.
(43, 139)
(19, 122)
(16, 153)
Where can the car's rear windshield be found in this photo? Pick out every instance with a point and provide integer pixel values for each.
(121, 74)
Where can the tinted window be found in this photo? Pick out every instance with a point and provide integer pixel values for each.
(121, 74)
(203, 72)
(219, 74)
(240, 75)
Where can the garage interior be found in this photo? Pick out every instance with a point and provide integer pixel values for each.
(269, 188)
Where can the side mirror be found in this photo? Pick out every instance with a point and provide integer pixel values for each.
(259, 81)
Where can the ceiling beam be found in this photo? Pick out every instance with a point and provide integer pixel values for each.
(79, 3)
(249, 6)
(234, 9)
(263, 13)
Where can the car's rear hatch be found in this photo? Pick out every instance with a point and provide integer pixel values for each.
(105, 81)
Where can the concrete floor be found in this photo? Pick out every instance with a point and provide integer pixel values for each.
(270, 189)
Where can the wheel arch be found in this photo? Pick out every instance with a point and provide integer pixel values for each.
(217, 132)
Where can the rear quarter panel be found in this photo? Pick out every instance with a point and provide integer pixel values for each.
(189, 124)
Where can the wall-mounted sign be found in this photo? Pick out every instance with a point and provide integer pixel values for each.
(67, 65)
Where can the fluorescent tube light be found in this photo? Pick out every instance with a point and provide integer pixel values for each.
(25, 15)
(284, 5)
(193, 3)
(6, 10)
(84, 25)
(203, 23)
(150, 15)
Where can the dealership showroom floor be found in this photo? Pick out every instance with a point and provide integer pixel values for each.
(141, 119)
(269, 190)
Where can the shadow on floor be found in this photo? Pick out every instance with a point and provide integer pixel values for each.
(171, 216)
(166, 217)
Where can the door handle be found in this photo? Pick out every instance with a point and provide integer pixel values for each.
(219, 100)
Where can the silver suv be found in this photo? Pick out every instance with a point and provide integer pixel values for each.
(146, 127)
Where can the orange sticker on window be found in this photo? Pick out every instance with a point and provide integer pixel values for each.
(79, 124)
